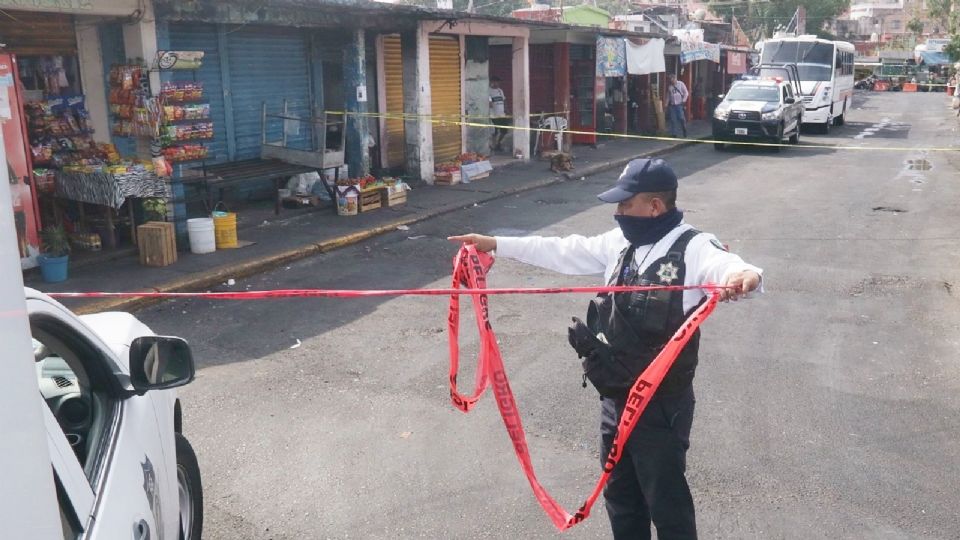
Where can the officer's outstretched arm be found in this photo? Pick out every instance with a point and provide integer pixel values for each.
(483, 243)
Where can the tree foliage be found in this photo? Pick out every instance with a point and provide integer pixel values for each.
(761, 19)
(915, 26)
(953, 48)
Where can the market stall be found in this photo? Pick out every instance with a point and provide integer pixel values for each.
(73, 174)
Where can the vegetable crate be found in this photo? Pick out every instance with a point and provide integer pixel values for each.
(393, 197)
(369, 200)
(447, 178)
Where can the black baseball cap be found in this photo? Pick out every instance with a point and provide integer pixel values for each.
(641, 176)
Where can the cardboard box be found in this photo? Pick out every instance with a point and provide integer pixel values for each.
(476, 170)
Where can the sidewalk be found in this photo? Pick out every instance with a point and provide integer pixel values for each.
(278, 240)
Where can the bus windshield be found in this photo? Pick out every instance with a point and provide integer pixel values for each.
(814, 59)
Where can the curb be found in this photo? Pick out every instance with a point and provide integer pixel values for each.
(206, 279)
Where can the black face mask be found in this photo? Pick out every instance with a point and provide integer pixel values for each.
(641, 231)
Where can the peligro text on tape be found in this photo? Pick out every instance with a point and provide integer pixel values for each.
(451, 120)
(470, 269)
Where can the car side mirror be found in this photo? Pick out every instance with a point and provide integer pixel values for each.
(160, 362)
(789, 101)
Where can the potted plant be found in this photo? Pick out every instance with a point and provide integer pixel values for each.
(55, 253)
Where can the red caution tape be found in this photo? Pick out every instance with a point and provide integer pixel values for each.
(470, 269)
(469, 278)
(348, 293)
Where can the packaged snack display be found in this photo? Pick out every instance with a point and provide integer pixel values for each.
(181, 91)
(186, 152)
(184, 119)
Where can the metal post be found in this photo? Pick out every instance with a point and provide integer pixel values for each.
(286, 118)
(28, 501)
(263, 123)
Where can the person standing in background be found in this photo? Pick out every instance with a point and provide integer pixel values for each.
(498, 114)
(677, 96)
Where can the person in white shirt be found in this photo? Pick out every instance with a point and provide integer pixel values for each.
(625, 331)
(498, 114)
(677, 96)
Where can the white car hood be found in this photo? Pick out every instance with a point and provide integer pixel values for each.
(117, 330)
(747, 105)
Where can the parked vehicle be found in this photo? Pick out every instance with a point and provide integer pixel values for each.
(867, 83)
(114, 424)
(763, 109)
(826, 75)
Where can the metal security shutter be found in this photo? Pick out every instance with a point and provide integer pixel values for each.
(33, 33)
(445, 86)
(393, 68)
(203, 37)
(268, 64)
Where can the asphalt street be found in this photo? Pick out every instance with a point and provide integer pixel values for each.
(828, 407)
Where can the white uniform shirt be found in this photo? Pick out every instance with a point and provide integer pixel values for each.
(580, 255)
(497, 103)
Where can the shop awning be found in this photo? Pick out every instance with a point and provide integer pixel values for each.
(646, 58)
(931, 58)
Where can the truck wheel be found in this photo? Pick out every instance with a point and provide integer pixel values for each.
(795, 138)
(778, 140)
(824, 128)
(189, 491)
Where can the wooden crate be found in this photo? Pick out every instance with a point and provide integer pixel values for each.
(369, 200)
(389, 197)
(446, 178)
(157, 241)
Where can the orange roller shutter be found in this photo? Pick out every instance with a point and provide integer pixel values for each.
(445, 92)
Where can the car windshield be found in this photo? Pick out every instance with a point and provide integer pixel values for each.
(754, 93)
(814, 60)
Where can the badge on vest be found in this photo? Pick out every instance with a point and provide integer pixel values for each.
(667, 273)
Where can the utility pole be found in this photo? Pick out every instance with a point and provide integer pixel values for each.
(28, 501)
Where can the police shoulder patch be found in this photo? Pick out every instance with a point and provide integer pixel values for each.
(716, 243)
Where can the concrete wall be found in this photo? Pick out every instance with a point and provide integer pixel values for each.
(476, 91)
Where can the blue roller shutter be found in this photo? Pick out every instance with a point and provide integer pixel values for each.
(203, 37)
(269, 64)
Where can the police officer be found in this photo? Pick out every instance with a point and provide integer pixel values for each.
(624, 332)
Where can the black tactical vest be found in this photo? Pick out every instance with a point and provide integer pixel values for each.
(637, 325)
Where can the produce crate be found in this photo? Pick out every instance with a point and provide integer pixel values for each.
(446, 178)
(369, 200)
(393, 197)
(158, 243)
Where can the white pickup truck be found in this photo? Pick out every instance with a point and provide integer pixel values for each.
(122, 467)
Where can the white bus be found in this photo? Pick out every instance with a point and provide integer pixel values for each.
(826, 75)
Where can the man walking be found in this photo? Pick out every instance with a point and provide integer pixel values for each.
(498, 114)
(625, 331)
(677, 96)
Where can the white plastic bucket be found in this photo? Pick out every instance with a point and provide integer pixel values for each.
(202, 237)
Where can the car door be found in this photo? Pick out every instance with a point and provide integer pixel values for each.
(789, 109)
(111, 436)
(74, 494)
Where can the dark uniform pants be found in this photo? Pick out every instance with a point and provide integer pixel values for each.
(648, 483)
